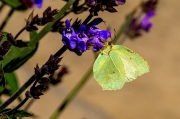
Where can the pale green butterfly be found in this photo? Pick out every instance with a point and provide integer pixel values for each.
(116, 65)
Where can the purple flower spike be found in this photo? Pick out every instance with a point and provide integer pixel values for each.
(85, 36)
(38, 3)
(146, 23)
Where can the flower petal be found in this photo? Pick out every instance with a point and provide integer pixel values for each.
(104, 34)
(82, 46)
(146, 23)
(94, 22)
(92, 2)
(38, 3)
(68, 24)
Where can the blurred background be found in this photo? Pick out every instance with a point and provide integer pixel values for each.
(155, 95)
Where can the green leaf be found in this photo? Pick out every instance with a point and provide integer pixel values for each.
(12, 81)
(14, 59)
(11, 117)
(19, 113)
(4, 36)
(12, 3)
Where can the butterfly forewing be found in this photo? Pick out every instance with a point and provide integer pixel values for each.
(109, 71)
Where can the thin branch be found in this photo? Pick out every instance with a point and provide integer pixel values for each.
(19, 33)
(16, 108)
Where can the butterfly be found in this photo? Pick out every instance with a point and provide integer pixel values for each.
(116, 65)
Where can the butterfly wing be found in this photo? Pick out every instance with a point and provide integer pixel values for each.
(109, 71)
(134, 64)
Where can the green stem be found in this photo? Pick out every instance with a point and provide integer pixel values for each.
(123, 27)
(6, 19)
(72, 94)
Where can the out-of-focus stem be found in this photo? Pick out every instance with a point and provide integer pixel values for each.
(6, 19)
(72, 94)
(2, 6)
(123, 28)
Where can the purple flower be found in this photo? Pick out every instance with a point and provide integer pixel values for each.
(104, 34)
(29, 3)
(120, 2)
(69, 37)
(97, 38)
(38, 3)
(92, 2)
(145, 22)
(135, 27)
(82, 42)
(85, 36)
(82, 38)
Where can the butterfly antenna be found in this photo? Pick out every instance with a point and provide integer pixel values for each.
(112, 39)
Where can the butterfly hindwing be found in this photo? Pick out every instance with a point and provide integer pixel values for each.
(134, 65)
